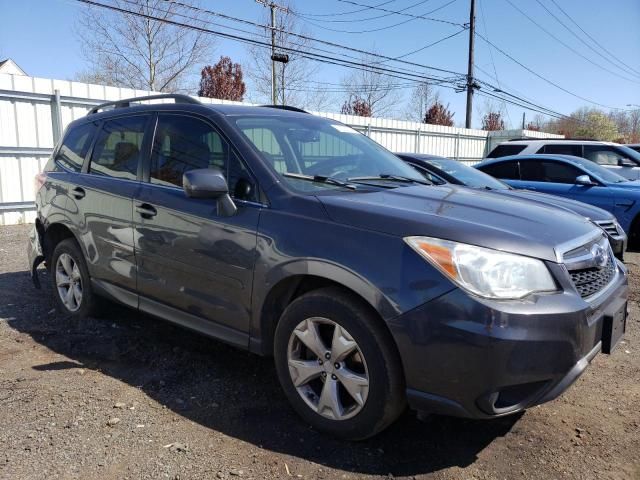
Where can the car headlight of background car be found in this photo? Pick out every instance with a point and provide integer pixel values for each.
(485, 272)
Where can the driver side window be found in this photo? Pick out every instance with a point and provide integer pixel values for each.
(604, 155)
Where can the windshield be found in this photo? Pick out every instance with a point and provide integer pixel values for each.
(604, 174)
(469, 176)
(630, 152)
(317, 148)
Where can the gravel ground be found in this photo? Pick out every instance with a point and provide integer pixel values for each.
(128, 396)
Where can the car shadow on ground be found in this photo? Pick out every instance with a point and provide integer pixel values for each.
(229, 390)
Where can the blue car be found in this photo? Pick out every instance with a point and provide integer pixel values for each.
(575, 178)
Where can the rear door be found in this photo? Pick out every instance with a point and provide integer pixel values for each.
(101, 201)
(190, 258)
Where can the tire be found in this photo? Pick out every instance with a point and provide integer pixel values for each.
(355, 392)
(83, 302)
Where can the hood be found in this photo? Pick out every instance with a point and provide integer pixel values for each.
(461, 214)
(583, 209)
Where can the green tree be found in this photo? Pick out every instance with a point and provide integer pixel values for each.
(598, 126)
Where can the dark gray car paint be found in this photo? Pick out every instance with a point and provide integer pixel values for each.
(220, 276)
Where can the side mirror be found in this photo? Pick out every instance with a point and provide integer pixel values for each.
(209, 183)
(584, 180)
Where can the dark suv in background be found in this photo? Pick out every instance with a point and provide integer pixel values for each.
(297, 237)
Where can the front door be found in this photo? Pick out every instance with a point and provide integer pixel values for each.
(190, 258)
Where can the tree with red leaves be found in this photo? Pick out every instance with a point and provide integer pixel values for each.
(438, 114)
(493, 121)
(356, 106)
(222, 80)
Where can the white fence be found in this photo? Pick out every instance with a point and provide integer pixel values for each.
(35, 111)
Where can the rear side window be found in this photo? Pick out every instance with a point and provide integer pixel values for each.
(506, 150)
(75, 146)
(117, 149)
(562, 149)
(503, 170)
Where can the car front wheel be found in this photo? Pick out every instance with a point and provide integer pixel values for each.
(337, 365)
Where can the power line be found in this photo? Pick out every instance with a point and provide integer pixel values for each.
(428, 45)
(550, 82)
(309, 38)
(569, 47)
(583, 41)
(337, 14)
(371, 7)
(371, 30)
(415, 78)
(593, 39)
(493, 63)
(307, 54)
(358, 20)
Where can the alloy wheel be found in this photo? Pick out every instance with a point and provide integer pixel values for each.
(328, 368)
(69, 282)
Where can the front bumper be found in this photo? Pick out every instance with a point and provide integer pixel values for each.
(476, 358)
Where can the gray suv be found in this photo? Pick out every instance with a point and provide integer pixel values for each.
(298, 238)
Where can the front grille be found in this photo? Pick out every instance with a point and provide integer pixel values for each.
(609, 227)
(589, 281)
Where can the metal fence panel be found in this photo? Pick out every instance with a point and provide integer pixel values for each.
(35, 111)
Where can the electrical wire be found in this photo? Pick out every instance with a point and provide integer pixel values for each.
(359, 20)
(569, 47)
(541, 77)
(593, 39)
(338, 14)
(371, 30)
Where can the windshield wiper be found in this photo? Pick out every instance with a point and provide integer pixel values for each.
(388, 176)
(320, 179)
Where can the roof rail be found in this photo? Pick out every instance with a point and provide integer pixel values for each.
(126, 102)
(285, 107)
(556, 139)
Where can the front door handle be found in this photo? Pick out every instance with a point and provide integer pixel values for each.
(78, 193)
(146, 211)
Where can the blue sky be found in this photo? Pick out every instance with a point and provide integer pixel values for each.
(38, 35)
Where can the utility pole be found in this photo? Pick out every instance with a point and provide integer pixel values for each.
(274, 57)
(524, 116)
(470, 83)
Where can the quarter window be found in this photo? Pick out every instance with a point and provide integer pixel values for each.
(562, 149)
(75, 146)
(505, 150)
(184, 143)
(117, 149)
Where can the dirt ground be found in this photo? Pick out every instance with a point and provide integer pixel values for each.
(128, 396)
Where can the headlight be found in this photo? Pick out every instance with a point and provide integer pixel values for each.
(483, 271)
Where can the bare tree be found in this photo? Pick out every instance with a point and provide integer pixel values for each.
(292, 78)
(222, 80)
(373, 87)
(133, 51)
(423, 96)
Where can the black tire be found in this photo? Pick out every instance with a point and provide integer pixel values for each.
(89, 304)
(386, 390)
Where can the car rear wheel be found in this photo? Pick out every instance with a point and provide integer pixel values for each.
(71, 282)
(337, 365)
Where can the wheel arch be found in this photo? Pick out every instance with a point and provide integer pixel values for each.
(298, 278)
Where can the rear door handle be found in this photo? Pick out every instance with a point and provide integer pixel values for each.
(146, 211)
(78, 193)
